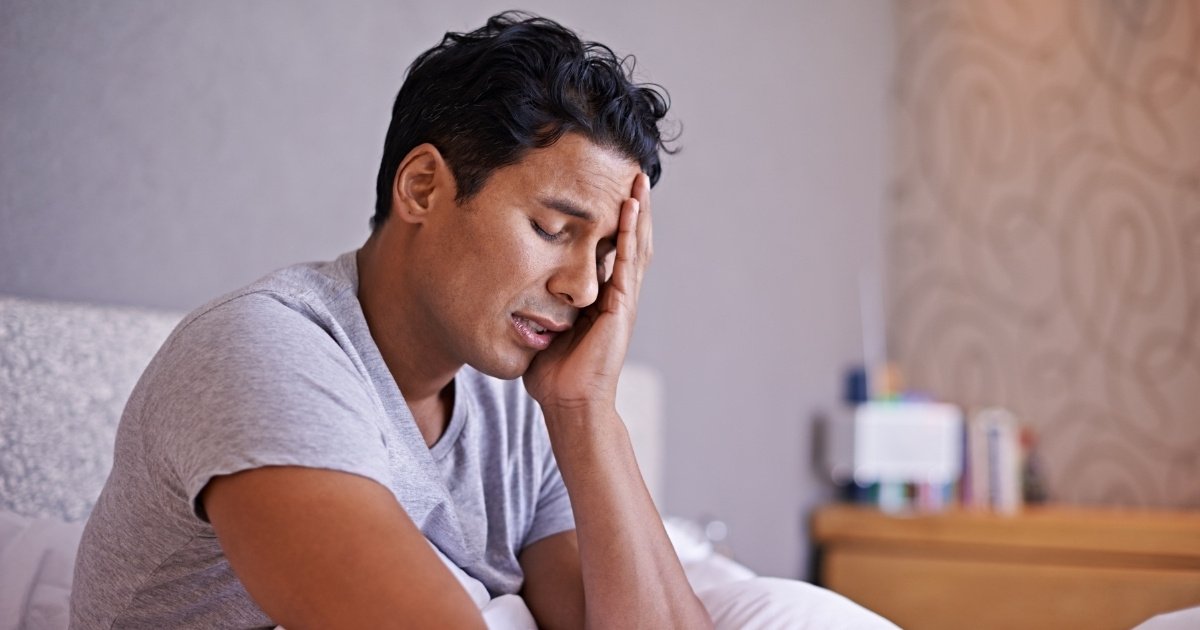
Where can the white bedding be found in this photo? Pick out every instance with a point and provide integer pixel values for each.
(37, 559)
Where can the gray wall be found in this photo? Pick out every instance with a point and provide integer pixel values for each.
(161, 153)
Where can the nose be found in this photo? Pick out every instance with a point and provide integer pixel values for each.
(577, 280)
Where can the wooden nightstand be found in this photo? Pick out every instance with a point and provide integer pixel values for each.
(1043, 568)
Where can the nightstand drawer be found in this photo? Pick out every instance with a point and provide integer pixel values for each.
(1045, 568)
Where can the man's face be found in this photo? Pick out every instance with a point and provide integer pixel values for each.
(505, 270)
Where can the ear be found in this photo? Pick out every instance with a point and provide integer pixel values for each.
(422, 180)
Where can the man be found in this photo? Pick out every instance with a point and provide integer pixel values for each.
(346, 444)
(299, 452)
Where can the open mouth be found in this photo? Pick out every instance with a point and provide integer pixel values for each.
(534, 335)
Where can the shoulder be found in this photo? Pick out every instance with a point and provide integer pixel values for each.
(263, 374)
(279, 337)
(291, 309)
(290, 295)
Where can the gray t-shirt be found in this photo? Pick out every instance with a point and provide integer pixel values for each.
(285, 372)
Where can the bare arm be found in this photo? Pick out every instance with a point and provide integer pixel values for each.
(553, 588)
(325, 549)
(628, 572)
(622, 553)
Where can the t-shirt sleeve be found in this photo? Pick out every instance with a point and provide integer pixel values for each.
(256, 382)
(552, 513)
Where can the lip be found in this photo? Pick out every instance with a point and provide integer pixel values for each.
(533, 338)
(548, 324)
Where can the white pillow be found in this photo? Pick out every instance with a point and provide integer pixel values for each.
(38, 556)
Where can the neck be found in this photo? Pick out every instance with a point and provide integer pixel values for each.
(425, 381)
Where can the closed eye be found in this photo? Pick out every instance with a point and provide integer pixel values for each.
(547, 236)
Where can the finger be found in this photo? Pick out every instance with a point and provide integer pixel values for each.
(645, 227)
(641, 190)
(646, 239)
(624, 266)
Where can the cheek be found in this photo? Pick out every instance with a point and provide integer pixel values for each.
(519, 259)
(526, 265)
(503, 274)
(493, 265)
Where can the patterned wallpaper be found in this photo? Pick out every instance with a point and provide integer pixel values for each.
(1044, 244)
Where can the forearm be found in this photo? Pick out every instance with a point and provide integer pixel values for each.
(631, 574)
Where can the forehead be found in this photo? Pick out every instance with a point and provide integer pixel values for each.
(575, 170)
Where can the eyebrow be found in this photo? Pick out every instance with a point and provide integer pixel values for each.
(567, 208)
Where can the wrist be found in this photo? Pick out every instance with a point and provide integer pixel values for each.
(578, 412)
(576, 431)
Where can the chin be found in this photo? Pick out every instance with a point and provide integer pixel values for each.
(504, 367)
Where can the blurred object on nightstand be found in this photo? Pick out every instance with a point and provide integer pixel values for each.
(899, 443)
(904, 450)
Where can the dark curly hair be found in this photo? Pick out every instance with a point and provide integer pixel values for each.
(520, 82)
